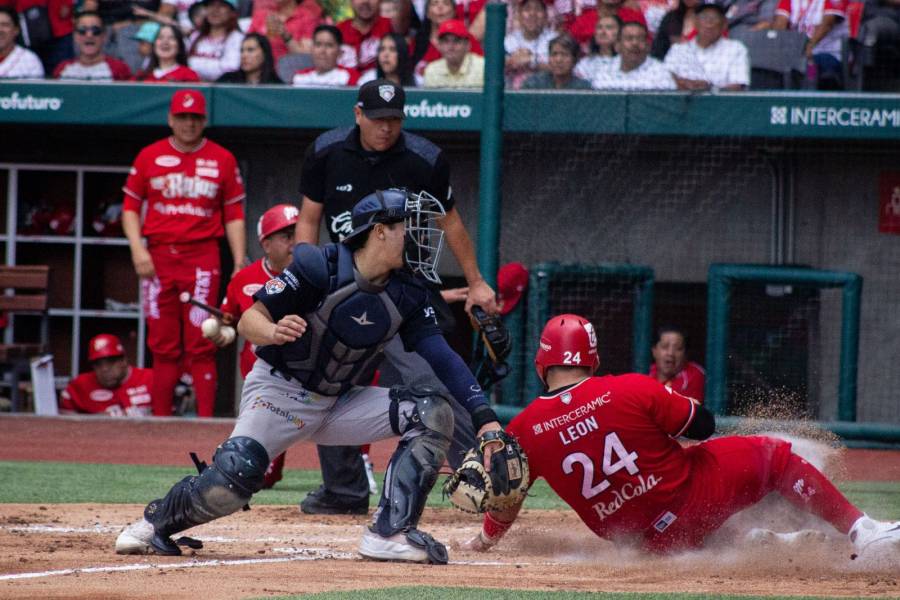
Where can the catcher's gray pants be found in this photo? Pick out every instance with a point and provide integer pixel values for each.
(277, 413)
(342, 466)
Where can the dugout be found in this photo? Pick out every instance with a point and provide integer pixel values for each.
(674, 182)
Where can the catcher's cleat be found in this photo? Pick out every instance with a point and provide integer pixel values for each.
(141, 538)
(413, 546)
(135, 539)
(878, 540)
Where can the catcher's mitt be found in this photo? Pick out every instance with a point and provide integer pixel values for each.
(494, 345)
(472, 489)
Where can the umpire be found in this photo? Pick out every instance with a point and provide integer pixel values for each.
(340, 168)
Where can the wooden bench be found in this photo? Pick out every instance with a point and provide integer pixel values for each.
(23, 290)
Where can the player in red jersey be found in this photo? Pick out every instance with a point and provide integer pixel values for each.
(606, 445)
(672, 368)
(191, 192)
(112, 387)
(363, 32)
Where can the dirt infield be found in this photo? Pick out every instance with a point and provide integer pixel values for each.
(65, 551)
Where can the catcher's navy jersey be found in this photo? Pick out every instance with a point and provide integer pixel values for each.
(349, 319)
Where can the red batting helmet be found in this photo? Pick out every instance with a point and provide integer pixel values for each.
(104, 346)
(567, 340)
(277, 217)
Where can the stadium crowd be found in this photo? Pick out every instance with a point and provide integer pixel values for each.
(627, 45)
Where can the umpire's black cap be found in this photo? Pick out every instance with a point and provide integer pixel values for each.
(388, 206)
(381, 99)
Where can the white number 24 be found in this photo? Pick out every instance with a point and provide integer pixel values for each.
(572, 359)
(612, 445)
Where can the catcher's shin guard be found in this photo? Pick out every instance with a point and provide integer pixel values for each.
(239, 466)
(425, 419)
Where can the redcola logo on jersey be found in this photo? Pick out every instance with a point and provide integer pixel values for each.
(627, 492)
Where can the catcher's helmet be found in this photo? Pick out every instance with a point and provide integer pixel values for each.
(419, 211)
(104, 346)
(567, 340)
(276, 218)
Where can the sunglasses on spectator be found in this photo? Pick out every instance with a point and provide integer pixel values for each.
(93, 30)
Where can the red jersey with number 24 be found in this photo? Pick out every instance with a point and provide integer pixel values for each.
(189, 195)
(606, 446)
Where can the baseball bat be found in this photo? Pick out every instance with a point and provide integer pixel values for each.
(186, 298)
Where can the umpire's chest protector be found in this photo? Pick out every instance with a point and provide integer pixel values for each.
(346, 333)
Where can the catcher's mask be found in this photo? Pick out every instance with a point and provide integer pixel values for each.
(424, 238)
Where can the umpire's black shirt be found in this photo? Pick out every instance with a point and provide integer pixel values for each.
(338, 172)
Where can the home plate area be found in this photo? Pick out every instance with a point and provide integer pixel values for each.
(66, 551)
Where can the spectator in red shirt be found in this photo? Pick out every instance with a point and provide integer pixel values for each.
(584, 26)
(169, 60)
(112, 387)
(325, 70)
(363, 31)
(677, 26)
(92, 63)
(289, 26)
(671, 366)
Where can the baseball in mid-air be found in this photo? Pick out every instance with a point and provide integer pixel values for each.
(210, 327)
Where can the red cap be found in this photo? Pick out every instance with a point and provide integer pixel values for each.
(454, 27)
(188, 102)
(276, 218)
(512, 279)
(104, 346)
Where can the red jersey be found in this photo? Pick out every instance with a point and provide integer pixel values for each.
(84, 394)
(180, 73)
(188, 195)
(606, 446)
(239, 297)
(360, 50)
(690, 381)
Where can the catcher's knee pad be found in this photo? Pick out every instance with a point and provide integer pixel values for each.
(238, 469)
(420, 406)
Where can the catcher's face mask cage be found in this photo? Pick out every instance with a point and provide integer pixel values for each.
(424, 238)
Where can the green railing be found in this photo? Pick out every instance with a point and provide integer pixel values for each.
(720, 281)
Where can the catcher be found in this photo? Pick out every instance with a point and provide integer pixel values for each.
(607, 446)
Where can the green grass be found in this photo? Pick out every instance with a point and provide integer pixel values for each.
(418, 593)
(54, 483)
